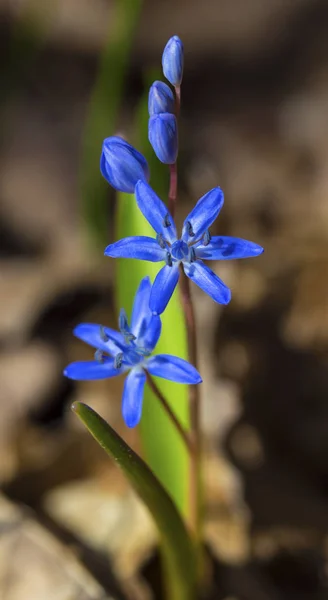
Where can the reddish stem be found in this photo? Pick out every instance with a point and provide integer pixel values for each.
(173, 191)
(194, 406)
(184, 434)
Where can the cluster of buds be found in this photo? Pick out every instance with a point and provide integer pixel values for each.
(162, 106)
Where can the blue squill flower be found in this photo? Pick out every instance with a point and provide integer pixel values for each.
(189, 251)
(163, 136)
(122, 165)
(129, 350)
(160, 99)
(172, 60)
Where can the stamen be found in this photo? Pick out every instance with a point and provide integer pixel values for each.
(192, 255)
(99, 356)
(160, 240)
(103, 334)
(142, 351)
(129, 337)
(118, 360)
(167, 221)
(206, 238)
(168, 259)
(190, 230)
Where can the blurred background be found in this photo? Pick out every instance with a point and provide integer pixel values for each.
(254, 121)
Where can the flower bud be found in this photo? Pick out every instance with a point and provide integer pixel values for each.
(172, 60)
(122, 165)
(163, 136)
(161, 99)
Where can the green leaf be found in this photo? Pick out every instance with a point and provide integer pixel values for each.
(164, 450)
(176, 543)
(102, 117)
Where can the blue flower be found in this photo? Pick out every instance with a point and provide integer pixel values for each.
(160, 99)
(172, 60)
(189, 251)
(122, 165)
(129, 350)
(163, 136)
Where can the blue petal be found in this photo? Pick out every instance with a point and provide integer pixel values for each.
(102, 338)
(141, 247)
(208, 281)
(122, 165)
(173, 368)
(203, 215)
(172, 60)
(140, 309)
(92, 369)
(163, 136)
(155, 211)
(133, 396)
(144, 325)
(163, 288)
(225, 248)
(152, 332)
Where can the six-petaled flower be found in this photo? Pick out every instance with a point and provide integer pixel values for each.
(129, 350)
(194, 245)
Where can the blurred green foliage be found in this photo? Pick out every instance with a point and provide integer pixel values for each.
(102, 118)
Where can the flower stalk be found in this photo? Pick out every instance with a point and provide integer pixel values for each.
(183, 433)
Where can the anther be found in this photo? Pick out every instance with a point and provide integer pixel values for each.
(103, 334)
(206, 238)
(129, 337)
(168, 259)
(160, 240)
(99, 356)
(190, 230)
(192, 254)
(167, 221)
(142, 351)
(118, 360)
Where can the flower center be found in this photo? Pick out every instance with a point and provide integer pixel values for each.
(180, 250)
(134, 355)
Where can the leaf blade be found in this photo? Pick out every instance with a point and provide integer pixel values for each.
(177, 544)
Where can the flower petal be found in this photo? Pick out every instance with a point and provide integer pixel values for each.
(133, 396)
(224, 248)
(92, 369)
(163, 288)
(155, 211)
(153, 330)
(102, 338)
(173, 368)
(140, 308)
(144, 325)
(208, 281)
(140, 246)
(203, 214)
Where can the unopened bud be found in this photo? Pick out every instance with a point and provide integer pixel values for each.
(163, 136)
(122, 165)
(172, 60)
(160, 99)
